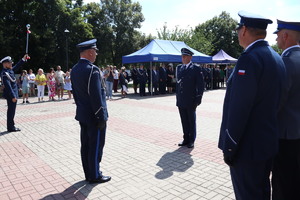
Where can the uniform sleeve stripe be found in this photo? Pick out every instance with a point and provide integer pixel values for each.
(9, 77)
(98, 110)
(230, 137)
(90, 79)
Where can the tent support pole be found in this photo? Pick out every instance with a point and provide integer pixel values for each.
(151, 85)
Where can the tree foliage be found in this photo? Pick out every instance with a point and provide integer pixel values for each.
(209, 37)
(220, 33)
(176, 34)
(112, 22)
(47, 41)
(276, 48)
(194, 40)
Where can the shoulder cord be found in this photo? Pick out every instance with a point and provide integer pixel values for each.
(9, 77)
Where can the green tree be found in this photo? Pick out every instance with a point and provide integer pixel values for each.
(200, 43)
(196, 40)
(276, 48)
(176, 34)
(123, 18)
(47, 41)
(220, 32)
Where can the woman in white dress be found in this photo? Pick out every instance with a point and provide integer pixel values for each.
(68, 85)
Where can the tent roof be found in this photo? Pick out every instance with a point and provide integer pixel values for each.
(164, 51)
(223, 57)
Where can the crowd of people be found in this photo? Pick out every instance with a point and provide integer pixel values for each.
(259, 133)
(56, 81)
(158, 79)
(162, 79)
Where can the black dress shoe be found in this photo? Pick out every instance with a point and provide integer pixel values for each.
(102, 179)
(182, 144)
(14, 130)
(190, 145)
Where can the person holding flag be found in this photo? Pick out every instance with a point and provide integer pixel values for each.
(10, 90)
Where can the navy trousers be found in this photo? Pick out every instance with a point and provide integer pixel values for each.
(286, 171)
(188, 121)
(11, 110)
(162, 87)
(92, 143)
(142, 88)
(251, 180)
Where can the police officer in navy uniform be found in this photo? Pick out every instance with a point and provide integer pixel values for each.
(10, 90)
(162, 79)
(189, 91)
(134, 77)
(249, 129)
(89, 95)
(286, 169)
(142, 77)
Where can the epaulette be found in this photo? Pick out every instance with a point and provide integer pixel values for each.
(287, 54)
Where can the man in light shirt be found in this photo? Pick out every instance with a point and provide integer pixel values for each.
(60, 82)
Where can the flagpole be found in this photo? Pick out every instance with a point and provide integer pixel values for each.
(27, 39)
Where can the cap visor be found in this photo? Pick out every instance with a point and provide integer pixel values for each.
(239, 26)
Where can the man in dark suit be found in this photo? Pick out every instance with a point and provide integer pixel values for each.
(249, 130)
(142, 77)
(89, 95)
(162, 79)
(286, 169)
(153, 78)
(134, 76)
(10, 90)
(189, 91)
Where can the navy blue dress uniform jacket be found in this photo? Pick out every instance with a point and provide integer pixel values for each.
(289, 114)
(189, 87)
(163, 74)
(142, 76)
(9, 81)
(249, 129)
(86, 80)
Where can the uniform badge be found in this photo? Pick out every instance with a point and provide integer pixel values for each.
(242, 72)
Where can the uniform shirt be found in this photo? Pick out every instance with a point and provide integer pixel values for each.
(189, 86)
(289, 114)
(9, 81)
(89, 93)
(249, 127)
(142, 75)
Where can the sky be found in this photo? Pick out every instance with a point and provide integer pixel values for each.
(189, 13)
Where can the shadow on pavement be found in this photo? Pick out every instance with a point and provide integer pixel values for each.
(4, 133)
(78, 191)
(179, 160)
(117, 96)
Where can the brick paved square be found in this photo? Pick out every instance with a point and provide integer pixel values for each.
(141, 153)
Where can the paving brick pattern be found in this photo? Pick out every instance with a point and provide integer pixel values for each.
(141, 153)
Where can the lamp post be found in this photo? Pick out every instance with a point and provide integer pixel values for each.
(67, 55)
